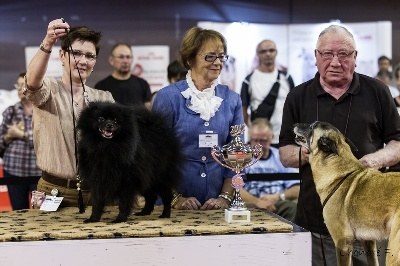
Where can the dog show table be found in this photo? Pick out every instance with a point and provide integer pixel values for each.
(34, 237)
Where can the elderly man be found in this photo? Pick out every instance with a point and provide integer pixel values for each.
(359, 106)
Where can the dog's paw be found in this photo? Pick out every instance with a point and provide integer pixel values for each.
(119, 220)
(143, 213)
(164, 216)
(91, 220)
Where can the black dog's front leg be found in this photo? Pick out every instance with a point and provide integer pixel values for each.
(126, 199)
(150, 198)
(97, 209)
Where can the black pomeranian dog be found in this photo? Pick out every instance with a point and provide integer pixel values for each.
(124, 152)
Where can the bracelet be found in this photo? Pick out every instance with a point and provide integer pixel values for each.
(282, 196)
(44, 49)
(175, 199)
(224, 196)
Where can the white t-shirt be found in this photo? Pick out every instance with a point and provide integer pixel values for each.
(394, 91)
(260, 85)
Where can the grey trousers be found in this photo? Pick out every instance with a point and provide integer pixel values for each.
(359, 258)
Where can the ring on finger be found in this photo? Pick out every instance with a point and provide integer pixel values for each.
(54, 26)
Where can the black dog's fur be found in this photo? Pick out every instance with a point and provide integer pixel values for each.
(124, 152)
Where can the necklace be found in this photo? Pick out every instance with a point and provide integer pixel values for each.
(77, 100)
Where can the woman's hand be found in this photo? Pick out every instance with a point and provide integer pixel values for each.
(215, 204)
(15, 131)
(56, 29)
(187, 204)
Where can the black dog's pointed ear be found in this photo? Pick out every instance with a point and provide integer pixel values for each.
(351, 144)
(327, 145)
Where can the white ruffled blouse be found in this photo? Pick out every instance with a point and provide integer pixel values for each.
(203, 102)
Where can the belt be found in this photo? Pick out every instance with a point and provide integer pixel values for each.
(62, 182)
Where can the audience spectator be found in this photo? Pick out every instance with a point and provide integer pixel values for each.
(58, 102)
(176, 72)
(384, 76)
(384, 63)
(264, 90)
(19, 160)
(397, 76)
(352, 102)
(125, 88)
(277, 196)
(201, 112)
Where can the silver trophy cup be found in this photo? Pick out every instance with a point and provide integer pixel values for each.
(237, 156)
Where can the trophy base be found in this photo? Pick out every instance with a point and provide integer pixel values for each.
(237, 216)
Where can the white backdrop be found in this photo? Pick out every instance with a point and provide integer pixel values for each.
(150, 62)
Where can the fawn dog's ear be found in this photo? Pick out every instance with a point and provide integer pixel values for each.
(327, 145)
(351, 144)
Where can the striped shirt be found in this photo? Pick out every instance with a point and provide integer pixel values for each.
(270, 165)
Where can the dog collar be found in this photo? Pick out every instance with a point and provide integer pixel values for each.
(334, 189)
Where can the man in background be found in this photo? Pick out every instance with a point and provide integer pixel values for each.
(265, 89)
(176, 72)
(125, 88)
(384, 76)
(384, 63)
(278, 196)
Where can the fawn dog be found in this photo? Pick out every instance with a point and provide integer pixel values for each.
(359, 203)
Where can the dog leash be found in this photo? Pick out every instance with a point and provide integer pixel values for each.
(334, 189)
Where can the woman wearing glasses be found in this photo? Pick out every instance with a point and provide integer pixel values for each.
(58, 103)
(201, 112)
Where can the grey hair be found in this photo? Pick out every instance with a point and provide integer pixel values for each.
(336, 29)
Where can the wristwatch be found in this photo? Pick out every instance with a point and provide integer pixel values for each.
(282, 196)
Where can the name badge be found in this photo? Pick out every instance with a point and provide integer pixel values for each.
(208, 140)
(51, 203)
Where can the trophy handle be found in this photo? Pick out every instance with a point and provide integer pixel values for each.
(258, 152)
(253, 162)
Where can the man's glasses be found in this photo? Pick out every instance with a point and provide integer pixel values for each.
(78, 55)
(122, 57)
(342, 55)
(264, 51)
(212, 57)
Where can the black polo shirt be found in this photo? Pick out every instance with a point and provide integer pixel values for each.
(366, 114)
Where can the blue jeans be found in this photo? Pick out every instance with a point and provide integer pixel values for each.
(19, 194)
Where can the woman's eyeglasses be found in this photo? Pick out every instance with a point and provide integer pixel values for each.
(213, 57)
(78, 55)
